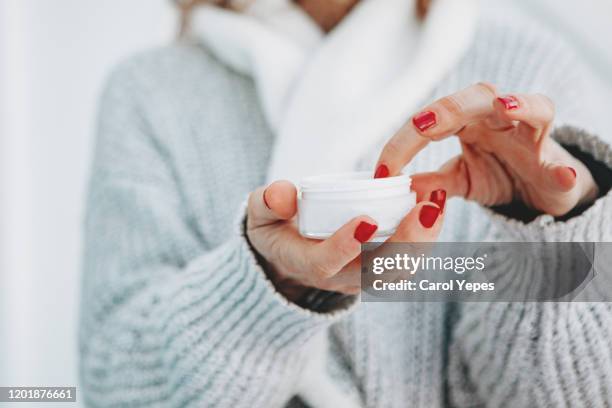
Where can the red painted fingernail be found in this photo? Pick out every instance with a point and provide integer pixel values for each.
(381, 172)
(573, 171)
(364, 231)
(425, 120)
(438, 197)
(428, 215)
(510, 102)
(266, 201)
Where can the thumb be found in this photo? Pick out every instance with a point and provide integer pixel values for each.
(267, 205)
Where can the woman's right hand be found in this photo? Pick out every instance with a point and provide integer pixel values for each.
(296, 264)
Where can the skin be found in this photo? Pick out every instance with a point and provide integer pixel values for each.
(327, 14)
(507, 155)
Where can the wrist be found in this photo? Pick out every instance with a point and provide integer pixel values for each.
(287, 287)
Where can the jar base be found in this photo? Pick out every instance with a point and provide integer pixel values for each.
(380, 236)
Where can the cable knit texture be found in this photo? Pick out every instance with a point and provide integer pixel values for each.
(176, 311)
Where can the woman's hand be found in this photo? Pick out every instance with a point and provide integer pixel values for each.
(295, 263)
(508, 153)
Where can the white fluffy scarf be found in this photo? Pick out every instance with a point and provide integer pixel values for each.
(329, 98)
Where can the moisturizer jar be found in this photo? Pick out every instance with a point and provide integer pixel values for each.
(326, 203)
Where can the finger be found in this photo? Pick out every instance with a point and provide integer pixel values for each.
(563, 173)
(443, 118)
(452, 178)
(569, 185)
(558, 184)
(274, 203)
(328, 257)
(420, 227)
(422, 224)
(536, 111)
(560, 177)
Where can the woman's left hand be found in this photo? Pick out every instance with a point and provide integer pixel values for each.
(508, 153)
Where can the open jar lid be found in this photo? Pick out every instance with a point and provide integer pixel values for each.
(356, 181)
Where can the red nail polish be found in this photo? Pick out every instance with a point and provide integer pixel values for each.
(438, 197)
(382, 172)
(364, 231)
(428, 215)
(573, 171)
(510, 102)
(425, 120)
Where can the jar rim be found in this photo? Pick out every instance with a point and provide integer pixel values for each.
(352, 181)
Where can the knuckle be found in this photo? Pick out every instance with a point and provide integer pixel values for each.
(344, 250)
(403, 233)
(548, 103)
(393, 148)
(452, 106)
(487, 87)
(321, 271)
(276, 247)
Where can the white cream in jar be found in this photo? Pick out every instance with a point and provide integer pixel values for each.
(325, 203)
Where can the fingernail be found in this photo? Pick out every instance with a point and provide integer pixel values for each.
(510, 102)
(381, 172)
(573, 171)
(266, 201)
(364, 231)
(428, 215)
(438, 197)
(425, 120)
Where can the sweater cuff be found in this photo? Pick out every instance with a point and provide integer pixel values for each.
(594, 224)
(318, 306)
(242, 308)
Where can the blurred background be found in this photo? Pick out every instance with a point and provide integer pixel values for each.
(54, 57)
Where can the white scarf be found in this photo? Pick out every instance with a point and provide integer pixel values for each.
(330, 98)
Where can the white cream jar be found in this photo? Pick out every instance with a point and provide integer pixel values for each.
(325, 203)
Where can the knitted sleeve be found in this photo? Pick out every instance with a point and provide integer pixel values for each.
(165, 321)
(528, 354)
(540, 354)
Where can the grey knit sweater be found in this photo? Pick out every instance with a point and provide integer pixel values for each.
(177, 312)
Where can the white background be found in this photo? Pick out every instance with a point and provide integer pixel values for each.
(54, 56)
